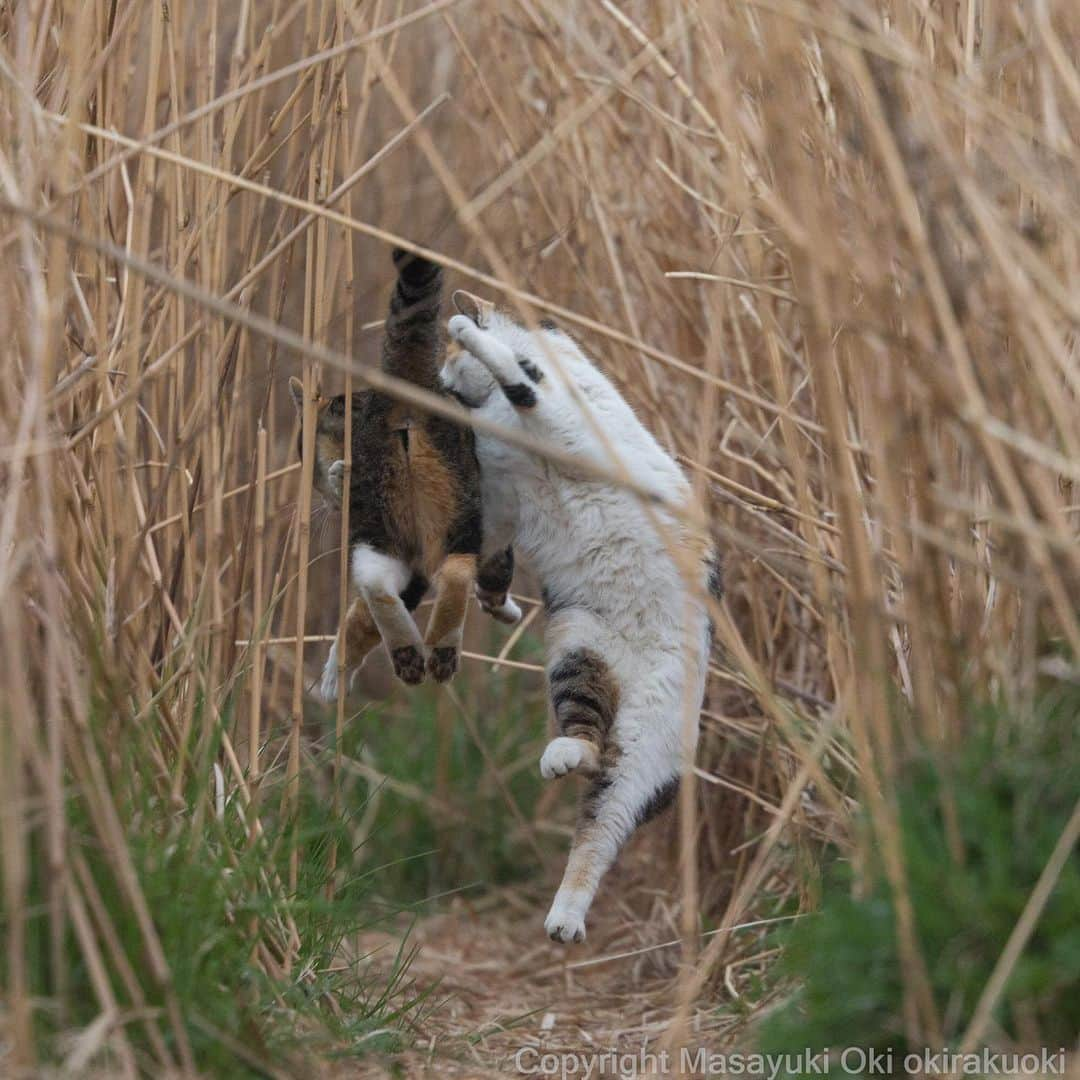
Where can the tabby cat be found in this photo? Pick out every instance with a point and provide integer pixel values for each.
(628, 635)
(414, 499)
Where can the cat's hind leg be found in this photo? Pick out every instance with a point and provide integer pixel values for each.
(380, 579)
(638, 773)
(445, 628)
(361, 636)
(621, 797)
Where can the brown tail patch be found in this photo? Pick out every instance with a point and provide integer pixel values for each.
(493, 578)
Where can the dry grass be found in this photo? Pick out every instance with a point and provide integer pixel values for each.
(829, 252)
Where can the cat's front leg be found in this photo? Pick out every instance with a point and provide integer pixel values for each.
(584, 697)
(566, 754)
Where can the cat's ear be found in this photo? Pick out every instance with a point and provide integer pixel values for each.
(296, 391)
(473, 307)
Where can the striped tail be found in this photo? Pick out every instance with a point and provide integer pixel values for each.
(413, 345)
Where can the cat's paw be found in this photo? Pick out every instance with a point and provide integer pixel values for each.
(335, 474)
(409, 665)
(460, 326)
(564, 925)
(500, 608)
(566, 754)
(328, 683)
(443, 663)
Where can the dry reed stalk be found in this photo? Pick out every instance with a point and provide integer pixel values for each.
(832, 261)
(258, 612)
(347, 150)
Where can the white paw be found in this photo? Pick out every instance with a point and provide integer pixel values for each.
(565, 754)
(508, 612)
(336, 475)
(329, 682)
(459, 326)
(564, 925)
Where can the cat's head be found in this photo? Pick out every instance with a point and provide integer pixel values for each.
(329, 438)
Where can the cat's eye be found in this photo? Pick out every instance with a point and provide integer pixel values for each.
(337, 406)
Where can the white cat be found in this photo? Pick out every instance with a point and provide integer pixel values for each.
(627, 637)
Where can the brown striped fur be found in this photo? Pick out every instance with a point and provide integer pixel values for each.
(584, 696)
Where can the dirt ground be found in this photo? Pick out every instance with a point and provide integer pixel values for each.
(503, 996)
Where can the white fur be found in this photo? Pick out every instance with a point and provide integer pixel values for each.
(328, 682)
(616, 587)
(372, 570)
(507, 612)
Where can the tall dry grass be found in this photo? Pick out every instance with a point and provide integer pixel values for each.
(829, 252)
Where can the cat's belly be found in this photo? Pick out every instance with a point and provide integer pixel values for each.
(596, 548)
